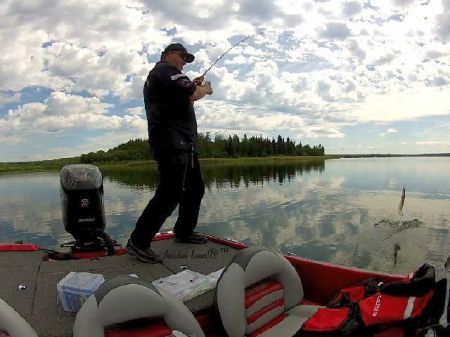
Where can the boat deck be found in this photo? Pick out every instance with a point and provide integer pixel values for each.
(28, 283)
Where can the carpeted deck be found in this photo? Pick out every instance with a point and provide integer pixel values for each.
(28, 283)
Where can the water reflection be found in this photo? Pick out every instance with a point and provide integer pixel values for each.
(222, 176)
(30, 208)
(341, 211)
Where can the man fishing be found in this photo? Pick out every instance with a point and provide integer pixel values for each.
(169, 97)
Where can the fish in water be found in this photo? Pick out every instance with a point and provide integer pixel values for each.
(396, 249)
(402, 202)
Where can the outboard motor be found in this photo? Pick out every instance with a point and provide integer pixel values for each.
(82, 207)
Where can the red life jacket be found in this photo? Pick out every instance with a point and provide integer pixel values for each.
(382, 309)
(367, 306)
(329, 322)
(401, 300)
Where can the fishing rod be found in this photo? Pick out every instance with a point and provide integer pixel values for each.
(229, 49)
(238, 43)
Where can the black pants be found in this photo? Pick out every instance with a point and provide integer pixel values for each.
(181, 183)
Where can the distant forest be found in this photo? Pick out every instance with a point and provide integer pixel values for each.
(219, 147)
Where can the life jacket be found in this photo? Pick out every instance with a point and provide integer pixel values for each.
(355, 293)
(401, 300)
(331, 322)
(365, 308)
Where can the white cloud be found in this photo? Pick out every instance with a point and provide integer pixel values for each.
(443, 26)
(321, 132)
(336, 30)
(137, 111)
(99, 73)
(403, 3)
(351, 8)
(61, 112)
(388, 131)
(403, 106)
(432, 143)
(316, 67)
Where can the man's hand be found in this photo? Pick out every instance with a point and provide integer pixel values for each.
(208, 88)
(199, 80)
(201, 91)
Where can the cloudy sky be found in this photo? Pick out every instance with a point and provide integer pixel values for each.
(367, 76)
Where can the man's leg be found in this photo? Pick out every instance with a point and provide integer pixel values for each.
(191, 199)
(163, 203)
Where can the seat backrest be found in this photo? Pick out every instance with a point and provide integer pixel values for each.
(256, 287)
(127, 298)
(12, 323)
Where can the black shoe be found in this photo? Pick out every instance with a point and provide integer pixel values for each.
(193, 238)
(145, 255)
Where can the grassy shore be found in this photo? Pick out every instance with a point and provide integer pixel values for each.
(37, 166)
(57, 164)
(281, 160)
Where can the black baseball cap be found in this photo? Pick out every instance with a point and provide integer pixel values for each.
(179, 47)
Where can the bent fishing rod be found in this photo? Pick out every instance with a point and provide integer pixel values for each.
(237, 44)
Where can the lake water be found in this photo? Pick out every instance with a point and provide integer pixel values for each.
(343, 211)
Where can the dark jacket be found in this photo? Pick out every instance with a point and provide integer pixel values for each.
(172, 125)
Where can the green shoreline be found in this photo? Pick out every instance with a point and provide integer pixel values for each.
(57, 164)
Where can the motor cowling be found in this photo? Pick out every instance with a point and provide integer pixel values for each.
(82, 201)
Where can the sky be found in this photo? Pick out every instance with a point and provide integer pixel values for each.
(367, 76)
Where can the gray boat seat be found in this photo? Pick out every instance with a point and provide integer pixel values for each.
(12, 323)
(259, 294)
(127, 298)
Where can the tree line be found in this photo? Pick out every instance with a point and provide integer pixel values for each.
(219, 147)
(234, 147)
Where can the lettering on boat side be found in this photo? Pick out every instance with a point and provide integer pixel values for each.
(211, 253)
(377, 306)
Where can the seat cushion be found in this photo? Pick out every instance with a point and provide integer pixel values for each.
(254, 292)
(304, 310)
(284, 325)
(140, 300)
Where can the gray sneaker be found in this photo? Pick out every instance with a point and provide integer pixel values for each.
(193, 238)
(145, 255)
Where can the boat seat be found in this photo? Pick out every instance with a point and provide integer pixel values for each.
(127, 298)
(12, 323)
(259, 294)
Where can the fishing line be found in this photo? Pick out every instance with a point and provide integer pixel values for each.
(231, 48)
(242, 41)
